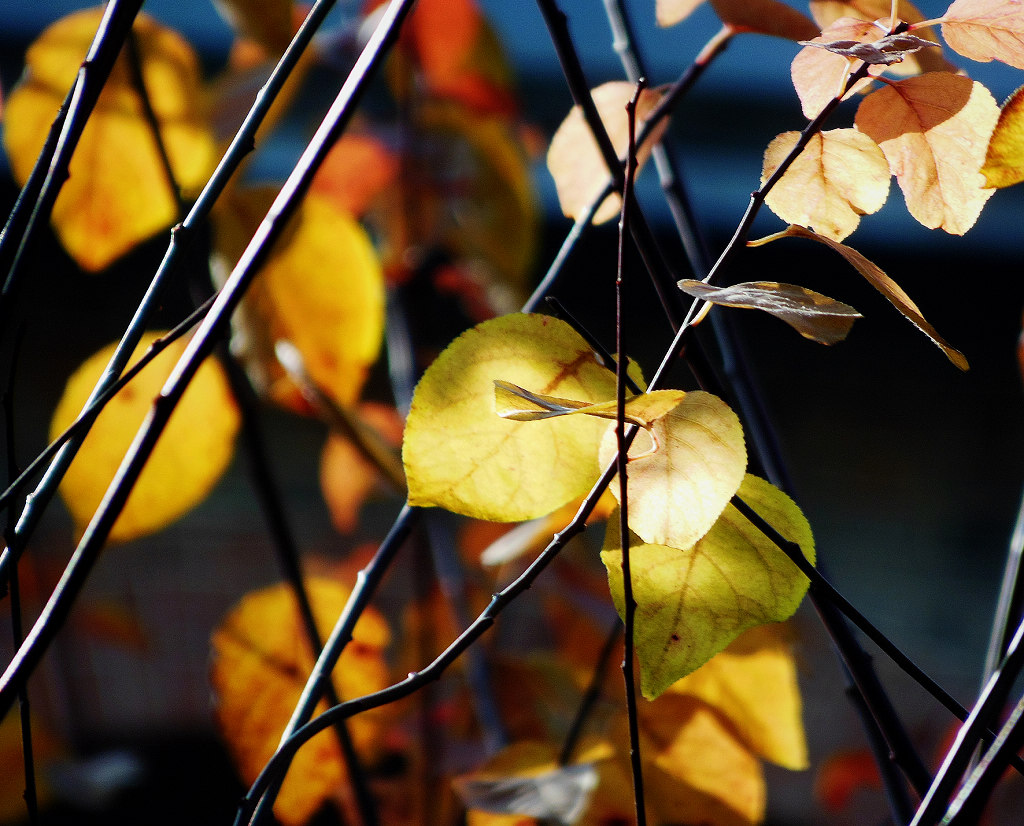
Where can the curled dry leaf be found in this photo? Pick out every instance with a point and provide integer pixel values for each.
(813, 315)
(893, 48)
(881, 282)
(1004, 160)
(576, 163)
(753, 683)
(819, 75)
(985, 30)
(839, 176)
(321, 289)
(192, 454)
(934, 130)
(692, 602)
(260, 662)
(678, 491)
(516, 403)
(118, 193)
(459, 455)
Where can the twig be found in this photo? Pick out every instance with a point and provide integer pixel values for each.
(201, 345)
(628, 600)
(591, 695)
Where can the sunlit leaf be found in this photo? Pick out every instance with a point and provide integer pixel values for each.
(190, 457)
(261, 660)
(670, 12)
(118, 193)
(576, 163)
(321, 289)
(839, 176)
(677, 492)
(758, 16)
(934, 130)
(524, 779)
(819, 75)
(347, 477)
(753, 683)
(691, 603)
(267, 23)
(1004, 162)
(517, 403)
(813, 315)
(355, 172)
(461, 456)
(986, 30)
(881, 282)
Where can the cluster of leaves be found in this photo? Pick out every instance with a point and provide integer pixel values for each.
(516, 419)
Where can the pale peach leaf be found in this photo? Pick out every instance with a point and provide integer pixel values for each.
(670, 12)
(820, 75)
(985, 30)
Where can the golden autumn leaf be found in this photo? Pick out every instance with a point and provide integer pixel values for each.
(934, 130)
(267, 22)
(985, 30)
(321, 289)
(753, 684)
(692, 602)
(1004, 160)
(696, 770)
(260, 662)
(820, 75)
(813, 315)
(118, 193)
(461, 456)
(190, 457)
(881, 282)
(576, 163)
(678, 491)
(840, 175)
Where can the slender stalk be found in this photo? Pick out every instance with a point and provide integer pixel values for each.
(628, 600)
(591, 695)
(201, 345)
(1011, 598)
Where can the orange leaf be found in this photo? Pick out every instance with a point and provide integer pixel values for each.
(819, 75)
(356, 170)
(1004, 161)
(765, 17)
(839, 176)
(881, 282)
(190, 457)
(985, 30)
(260, 663)
(576, 163)
(934, 130)
(321, 289)
(118, 193)
(842, 774)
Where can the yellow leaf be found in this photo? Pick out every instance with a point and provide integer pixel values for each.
(670, 12)
(261, 660)
(516, 403)
(813, 315)
(691, 603)
(267, 23)
(934, 130)
(819, 75)
(753, 684)
(985, 30)
(321, 289)
(190, 457)
(839, 176)
(678, 491)
(881, 282)
(576, 163)
(459, 455)
(1004, 162)
(696, 770)
(118, 193)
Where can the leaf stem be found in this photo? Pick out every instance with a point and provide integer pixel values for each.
(591, 695)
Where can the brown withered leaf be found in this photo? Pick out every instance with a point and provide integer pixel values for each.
(839, 176)
(985, 30)
(934, 130)
(1004, 161)
(881, 282)
(765, 17)
(267, 22)
(574, 160)
(813, 315)
(819, 75)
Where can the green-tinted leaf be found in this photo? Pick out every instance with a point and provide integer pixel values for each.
(813, 315)
(1004, 162)
(692, 603)
(881, 282)
(461, 456)
(678, 491)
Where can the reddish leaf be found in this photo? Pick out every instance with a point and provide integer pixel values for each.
(355, 172)
(819, 75)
